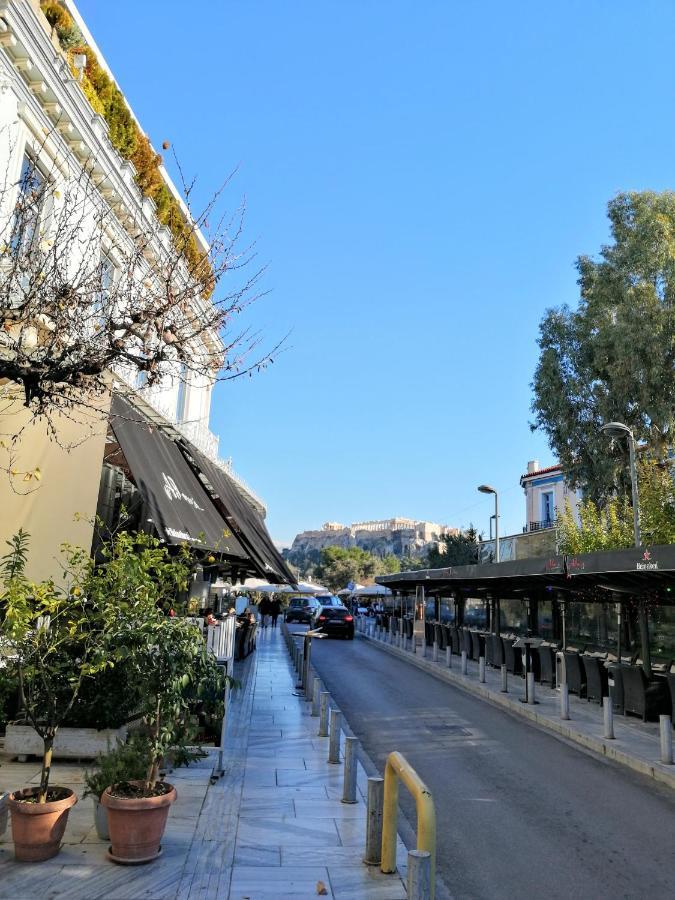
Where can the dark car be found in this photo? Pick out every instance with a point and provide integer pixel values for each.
(334, 621)
(301, 609)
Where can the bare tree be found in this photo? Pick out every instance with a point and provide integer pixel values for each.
(86, 290)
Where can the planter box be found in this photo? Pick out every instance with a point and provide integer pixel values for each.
(3, 812)
(70, 743)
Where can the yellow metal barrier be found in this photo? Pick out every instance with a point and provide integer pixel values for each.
(398, 767)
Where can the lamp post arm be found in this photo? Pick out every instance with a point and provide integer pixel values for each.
(496, 527)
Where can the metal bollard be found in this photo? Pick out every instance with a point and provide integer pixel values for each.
(530, 688)
(351, 768)
(481, 669)
(448, 657)
(316, 697)
(419, 875)
(564, 701)
(505, 680)
(666, 726)
(608, 718)
(324, 706)
(374, 822)
(334, 739)
(464, 665)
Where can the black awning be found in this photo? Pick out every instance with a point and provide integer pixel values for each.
(181, 509)
(247, 524)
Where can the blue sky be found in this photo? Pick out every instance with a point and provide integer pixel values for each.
(419, 178)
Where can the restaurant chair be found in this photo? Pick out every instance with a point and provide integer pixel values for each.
(576, 676)
(642, 697)
(455, 636)
(616, 690)
(670, 679)
(497, 651)
(513, 658)
(439, 637)
(546, 656)
(597, 680)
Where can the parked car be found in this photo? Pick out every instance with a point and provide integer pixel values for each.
(301, 609)
(334, 620)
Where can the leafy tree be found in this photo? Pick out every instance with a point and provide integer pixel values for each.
(460, 550)
(610, 527)
(339, 565)
(613, 358)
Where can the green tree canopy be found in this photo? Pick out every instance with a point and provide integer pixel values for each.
(610, 527)
(338, 566)
(613, 358)
(460, 550)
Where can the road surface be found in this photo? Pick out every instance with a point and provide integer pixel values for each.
(520, 813)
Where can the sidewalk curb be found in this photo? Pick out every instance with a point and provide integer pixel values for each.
(661, 773)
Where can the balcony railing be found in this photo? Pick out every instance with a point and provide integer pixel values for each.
(538, 526)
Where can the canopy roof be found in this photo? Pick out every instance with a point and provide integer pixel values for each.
(180, 508)
(635, 571)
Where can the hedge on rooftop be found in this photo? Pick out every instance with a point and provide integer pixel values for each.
(130, 142)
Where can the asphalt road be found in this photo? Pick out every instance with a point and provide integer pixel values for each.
(520, 813)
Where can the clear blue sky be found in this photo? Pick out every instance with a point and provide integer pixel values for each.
(420, 177)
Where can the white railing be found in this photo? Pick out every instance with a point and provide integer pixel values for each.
(220, 641)
(202, 437)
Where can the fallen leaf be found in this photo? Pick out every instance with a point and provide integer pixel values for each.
(321, 889)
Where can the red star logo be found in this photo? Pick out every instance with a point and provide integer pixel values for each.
(646, 555)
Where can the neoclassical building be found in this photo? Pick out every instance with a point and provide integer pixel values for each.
(144, 444)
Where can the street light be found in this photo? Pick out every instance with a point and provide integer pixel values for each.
(618, 430)
(486, 489)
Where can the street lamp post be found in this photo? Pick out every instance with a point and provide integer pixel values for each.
(486, 489)
(618, 430)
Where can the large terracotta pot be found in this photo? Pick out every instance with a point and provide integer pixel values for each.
(136, 825)
(37, 828)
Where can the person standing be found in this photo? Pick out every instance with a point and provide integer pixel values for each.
(275, 609)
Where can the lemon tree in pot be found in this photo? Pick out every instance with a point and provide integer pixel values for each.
(170, 658)
(167, 659)
(54, 635)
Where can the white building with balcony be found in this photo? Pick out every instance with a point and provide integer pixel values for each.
(48, 125)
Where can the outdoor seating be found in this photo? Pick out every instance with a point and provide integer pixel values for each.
(575, 673)
(455, 636)
(465, 644)
(439, 636)
(477, 645)
(513, 658)
(488, 649)
(670, 678)
(497, 651)
(641, 697)
(615, 671)
(597, 680)
(410, 628)
(447, 636)
(546, 657)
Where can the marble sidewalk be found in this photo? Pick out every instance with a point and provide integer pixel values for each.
(272, 827)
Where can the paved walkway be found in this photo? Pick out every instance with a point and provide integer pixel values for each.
(636, 744)
(272, 827)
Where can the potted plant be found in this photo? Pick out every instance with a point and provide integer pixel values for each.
(125, 762)
(170, 659)
(55, 637)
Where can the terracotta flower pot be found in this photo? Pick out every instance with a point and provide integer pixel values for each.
(37, 828)
(137, 825)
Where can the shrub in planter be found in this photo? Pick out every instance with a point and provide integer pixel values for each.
(55, 637)
(167, 656)
(125, 762)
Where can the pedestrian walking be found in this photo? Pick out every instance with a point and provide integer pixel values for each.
(264, 610)
(275, 609)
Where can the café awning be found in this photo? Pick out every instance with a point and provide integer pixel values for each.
(180, 508)
(244, 521)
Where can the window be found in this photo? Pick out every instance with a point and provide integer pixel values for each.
(29, 202)
(547, 506)
(106, 282)
(181, 400)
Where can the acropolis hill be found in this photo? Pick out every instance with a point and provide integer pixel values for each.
(398, 536)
